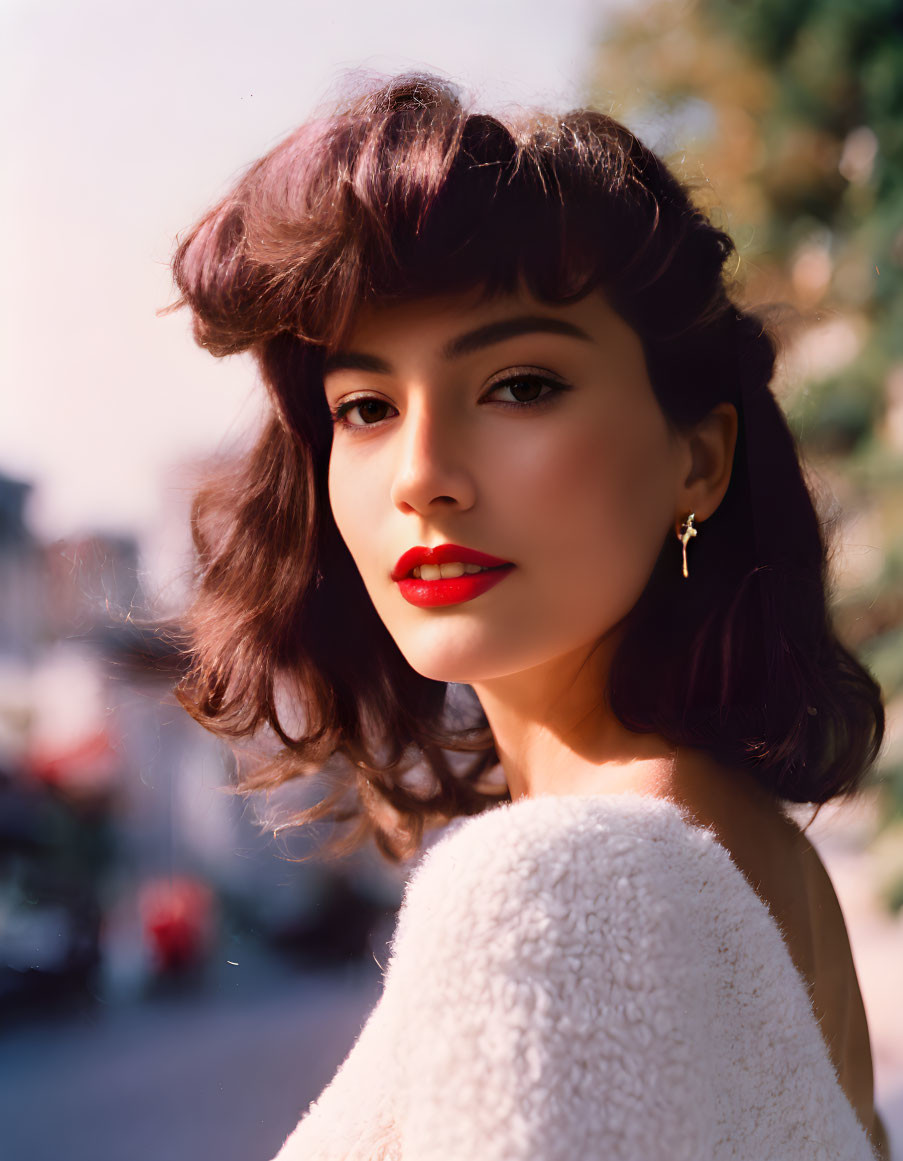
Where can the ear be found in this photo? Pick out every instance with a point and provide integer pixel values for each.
(710, 451)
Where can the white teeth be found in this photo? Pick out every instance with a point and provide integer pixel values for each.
(437, 571)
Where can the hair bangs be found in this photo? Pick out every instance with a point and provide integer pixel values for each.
(404, 197)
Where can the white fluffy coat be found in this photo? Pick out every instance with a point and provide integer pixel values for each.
(584, 979)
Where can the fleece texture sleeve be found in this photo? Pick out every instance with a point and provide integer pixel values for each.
(554, 1009)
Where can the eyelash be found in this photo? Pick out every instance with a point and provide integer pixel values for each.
(338, 413)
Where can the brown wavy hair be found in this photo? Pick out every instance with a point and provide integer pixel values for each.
(401, 190)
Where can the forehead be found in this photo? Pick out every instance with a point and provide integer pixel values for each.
(422, 311)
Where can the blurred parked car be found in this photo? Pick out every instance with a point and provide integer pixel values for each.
(50, 915)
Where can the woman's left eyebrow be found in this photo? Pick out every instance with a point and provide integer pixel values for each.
(466, 344)
(510, 328)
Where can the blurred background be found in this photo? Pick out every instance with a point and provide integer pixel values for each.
(172, 984)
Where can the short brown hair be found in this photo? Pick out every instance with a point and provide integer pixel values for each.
(402, 190)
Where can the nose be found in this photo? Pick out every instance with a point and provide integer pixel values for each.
(432, 469)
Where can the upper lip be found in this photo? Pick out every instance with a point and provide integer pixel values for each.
(441, 554)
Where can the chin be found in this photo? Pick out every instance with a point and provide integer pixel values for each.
(460, 667)
(438, 664)
(454, 672)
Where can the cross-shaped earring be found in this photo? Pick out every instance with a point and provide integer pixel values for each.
(684, 533)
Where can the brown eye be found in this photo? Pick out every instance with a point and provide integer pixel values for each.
(526, 390)
(370, 410)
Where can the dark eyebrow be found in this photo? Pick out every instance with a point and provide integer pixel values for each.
(465, 344)
(510, 328)
(354, 361)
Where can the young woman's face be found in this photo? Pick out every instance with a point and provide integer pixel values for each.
(524, 431)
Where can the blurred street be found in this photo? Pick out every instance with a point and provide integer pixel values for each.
(222, 1072)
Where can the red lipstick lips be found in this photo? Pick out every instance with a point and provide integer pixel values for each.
(447, 590)
(442, 554)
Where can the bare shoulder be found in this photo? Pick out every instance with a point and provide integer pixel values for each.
(784, 868)
(767, 845)
(777, 859)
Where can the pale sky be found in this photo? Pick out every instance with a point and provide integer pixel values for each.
(123, 122)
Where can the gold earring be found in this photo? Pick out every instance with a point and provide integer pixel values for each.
(684, 533)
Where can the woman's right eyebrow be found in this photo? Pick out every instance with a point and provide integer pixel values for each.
(475, 340)
(355, 361)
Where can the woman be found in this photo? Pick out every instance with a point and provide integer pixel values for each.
(521, 444)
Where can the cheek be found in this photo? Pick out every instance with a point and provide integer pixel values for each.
(599, 498)
(349, 501)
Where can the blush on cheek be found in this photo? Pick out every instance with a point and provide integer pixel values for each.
(601, 502)
(589, 466)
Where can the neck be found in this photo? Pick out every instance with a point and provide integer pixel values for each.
(555, 732)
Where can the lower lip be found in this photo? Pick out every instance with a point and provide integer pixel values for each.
(427, 594)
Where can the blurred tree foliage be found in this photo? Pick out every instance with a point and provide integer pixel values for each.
(786, 121)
